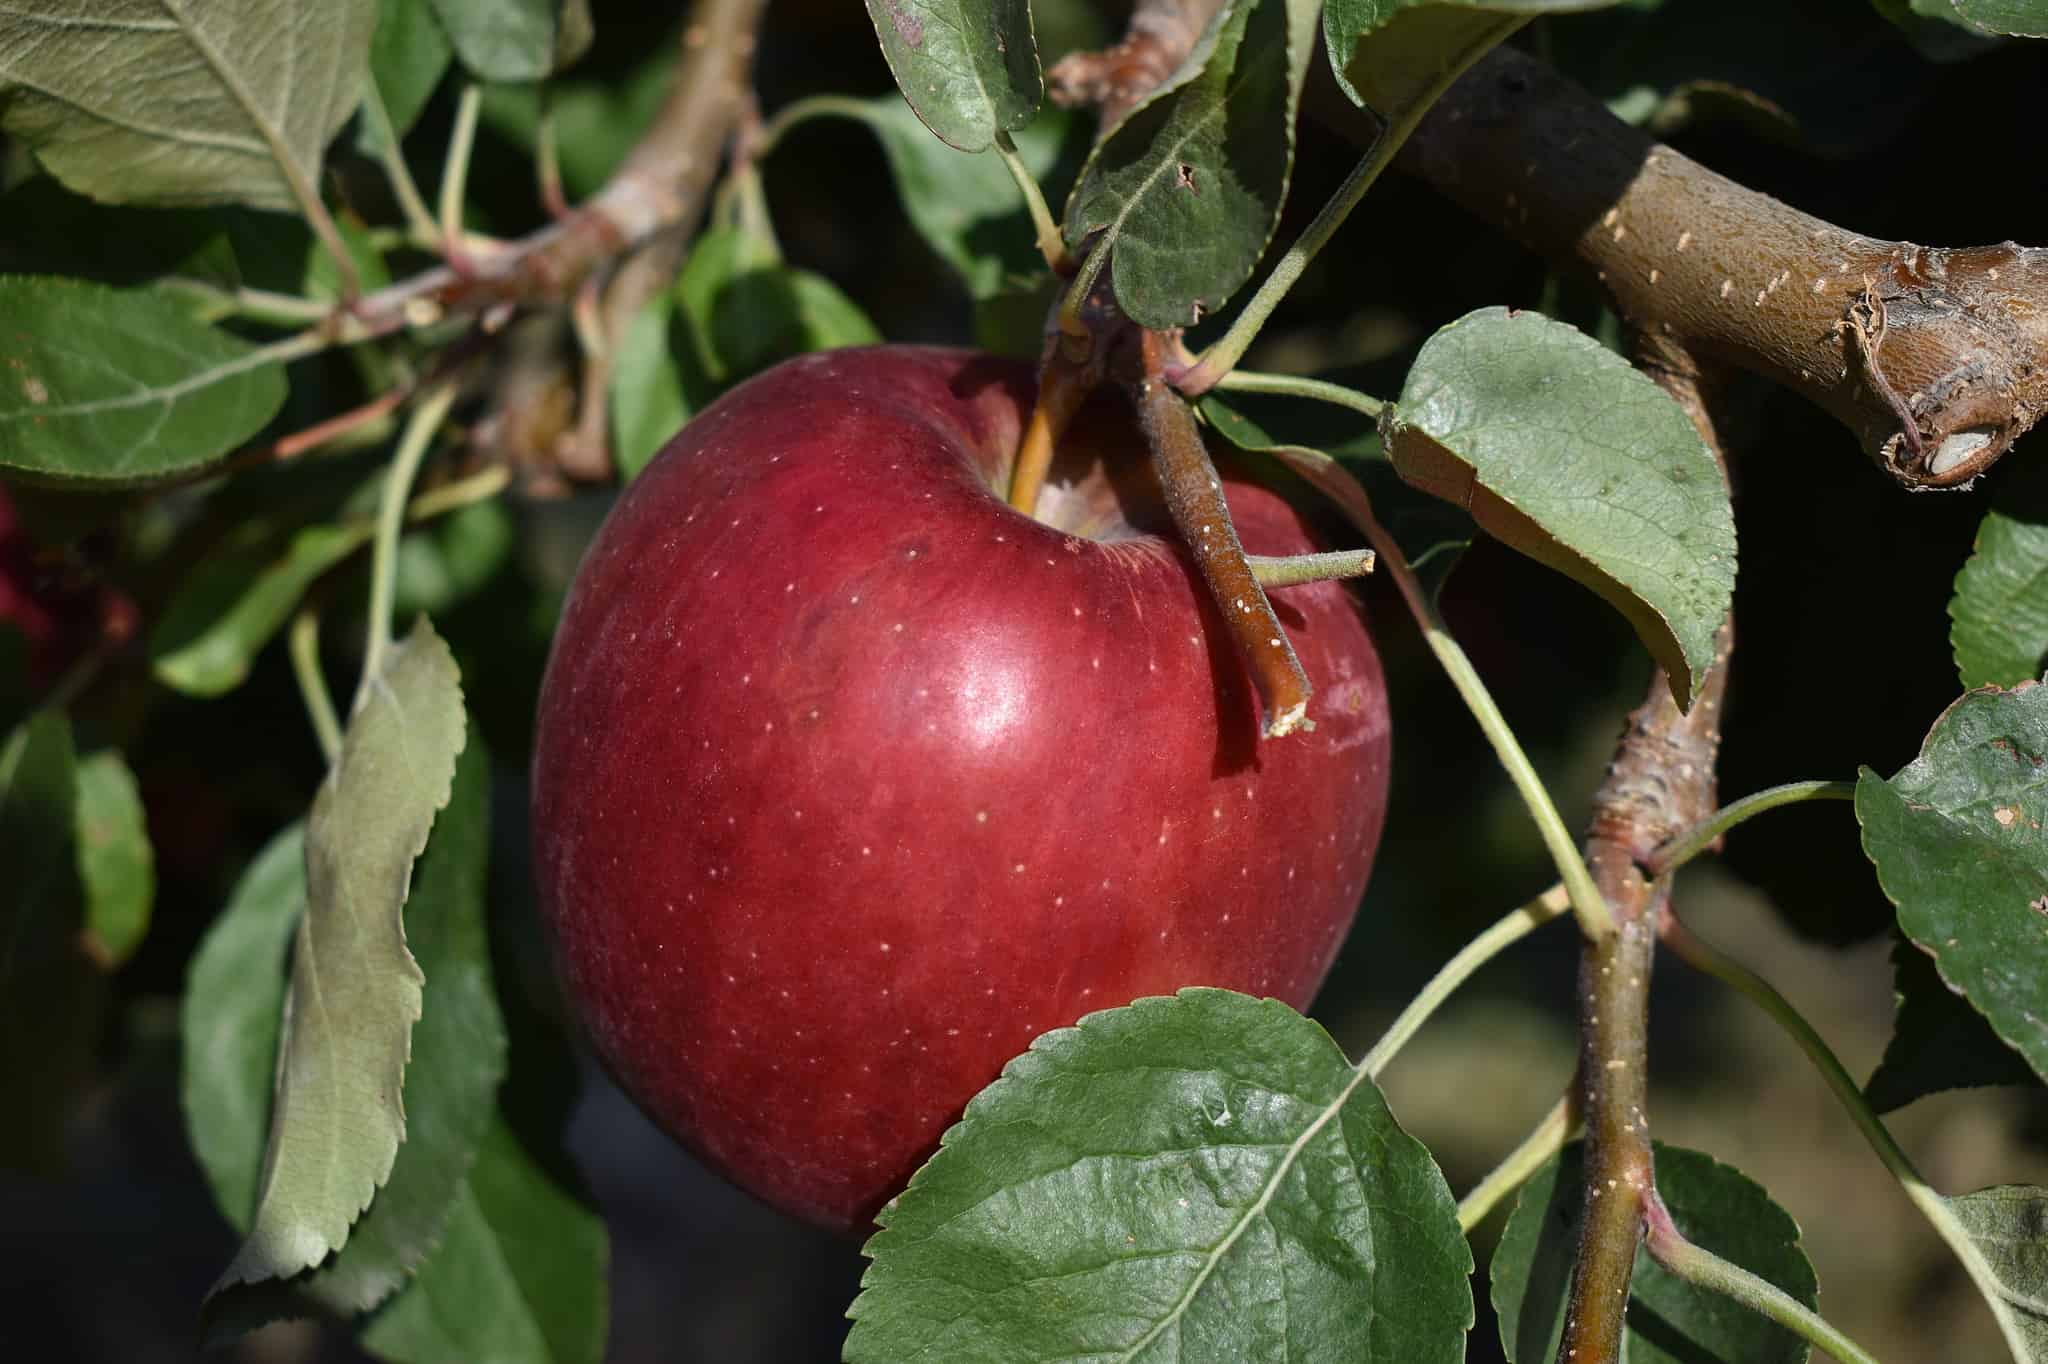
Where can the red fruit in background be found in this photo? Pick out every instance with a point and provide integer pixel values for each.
(849, 780)
(54, 600)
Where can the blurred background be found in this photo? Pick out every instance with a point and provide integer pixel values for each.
(1842, 660)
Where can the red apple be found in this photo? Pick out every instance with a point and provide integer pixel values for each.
(849, 780)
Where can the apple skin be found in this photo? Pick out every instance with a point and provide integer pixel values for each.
(849, 780)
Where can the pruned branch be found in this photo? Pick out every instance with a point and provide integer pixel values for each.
(1937, 359)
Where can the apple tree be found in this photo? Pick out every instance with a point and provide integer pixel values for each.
(331, 329)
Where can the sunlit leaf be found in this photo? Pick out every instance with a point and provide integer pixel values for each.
(451, 1082)
(1201, 1177)
(968, 67)
(1999, 614)
(1386, 52)
(1957, 840)
(1669, 1321)
(337, 1119)
(115, 864)
(2014, 18)
(183, 101)
(102, 385)
(2010, 1228)
(649, 397)
(516, 40)
(1188, 189)
(1561, 449)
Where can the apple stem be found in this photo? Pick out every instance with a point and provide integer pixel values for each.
(1295, 569)
(1194, 498)
(1062, 386)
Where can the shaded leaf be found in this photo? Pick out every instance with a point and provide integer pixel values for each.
(451, 1081)
(443, 565)
(1999, 614)
(967, 208)
(1188, 189)
(1935, 29)
(519, 1278)
(515, 40)
(337, 1119)
(184, 101)
(409, 53)
(1561, 449)
(1386, 52)
(50, 992)
(649, 397)
(1957, 840)
(230, 1016)
(115, 864)
(1938, 1041)
(1669, 1321)
(766, 315)
(2009, 1225)
(597, 121)
(101, 385)
(2014, 18)
(231, 605)
(1184, 1178)
(968, 67)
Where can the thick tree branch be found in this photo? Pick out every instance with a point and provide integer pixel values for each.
(1937, 359)
(1660, 783)
(1161, 35)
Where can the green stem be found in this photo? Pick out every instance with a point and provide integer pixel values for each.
(1051, 245)
(1696, 840)
(1512, 927)
(1513, 1172)
(1705, 957)
(1295, 386)
(405, 466)
(789, 116)
(1292, 569)
(1084, 284)
(1702, 1268)
(455, 171)
(304, 643)
(1220, 358)
(411, 203)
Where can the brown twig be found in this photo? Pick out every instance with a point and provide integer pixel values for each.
(1194, 498)
(1115, 80)
(1660, 783)
(1937, 359)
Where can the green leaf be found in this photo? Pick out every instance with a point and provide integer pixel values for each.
(50, 992)
(1957, 840)
(762, 316)
(1669, 1321)
(1386, 52)
(967, 208)
(516, 40)
(2009, 1225)
(112, 387)
(1934, 28)
(1938, 1041)
(337, 1120)
(445, 564)
(1999, 614)
(649, 396)
(1188, 189)
(236, 599)
(409, 54)
(2014, 18)
(1201, 1177)
(184, 101)
(115, 864)
(451, 1082)
(968, 67)
(597, 121)
(1562, 450)
(519, 1278)
(231, 1015)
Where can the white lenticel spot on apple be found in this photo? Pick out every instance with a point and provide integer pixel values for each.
(853, 600)
(1096, 663)
(1058, 900)
(1216, 812)
(981, 816)
(867, 852)
(1019, 868)
(899, 627)
(885, 948)
(789, 587)
(1077, 610)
